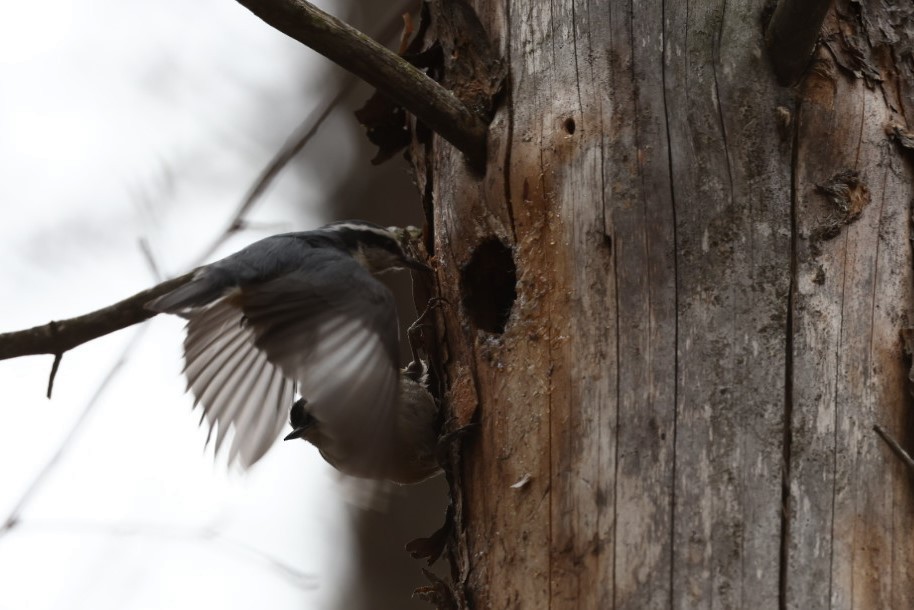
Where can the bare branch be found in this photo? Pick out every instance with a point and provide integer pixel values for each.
(894, 446)
(294, 145)
(13, 518)
(392, 75)
(792, 34)
(204, 535)
(60, 336)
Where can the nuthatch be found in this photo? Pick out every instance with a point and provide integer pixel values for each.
(303, 310)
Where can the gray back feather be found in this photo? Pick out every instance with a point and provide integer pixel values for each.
(282, 313)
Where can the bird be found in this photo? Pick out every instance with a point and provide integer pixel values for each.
(303, 313)
(415, 454)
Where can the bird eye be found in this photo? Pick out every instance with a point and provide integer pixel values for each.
(297, 415)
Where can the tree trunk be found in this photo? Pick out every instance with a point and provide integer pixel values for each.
(713, 273)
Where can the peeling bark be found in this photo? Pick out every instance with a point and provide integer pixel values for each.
(688, 378)
(850, 501)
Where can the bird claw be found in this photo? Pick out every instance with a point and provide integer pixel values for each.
(433, 546)
(449, 440)
(416, 327)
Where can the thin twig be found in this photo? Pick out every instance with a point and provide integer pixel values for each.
(792, 34)
(17, 343)
(294, 145)
(293, 575)
(146, 250)
(75, 331)
(59, 337)
(342, 44)
(13, 517)
(893, 444)
(62, 335)
(54, 367)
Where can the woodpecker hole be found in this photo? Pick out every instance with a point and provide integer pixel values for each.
(489, 286)
(569, 126)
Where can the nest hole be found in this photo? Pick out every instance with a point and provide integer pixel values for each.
(488, 283)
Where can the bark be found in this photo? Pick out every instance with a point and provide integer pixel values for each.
(375, 64)
(849, 540)
(713, 273)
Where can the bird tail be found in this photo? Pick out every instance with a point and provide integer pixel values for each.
(201, 290)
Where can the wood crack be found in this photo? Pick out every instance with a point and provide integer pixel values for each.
(669, 143)
(784, 555)
(509, 119)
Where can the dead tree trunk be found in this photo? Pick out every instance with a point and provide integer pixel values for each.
(675, 399)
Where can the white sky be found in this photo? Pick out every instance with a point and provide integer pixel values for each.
(122, 120)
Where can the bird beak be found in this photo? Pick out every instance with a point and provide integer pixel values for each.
(412, 263)
(297, 433)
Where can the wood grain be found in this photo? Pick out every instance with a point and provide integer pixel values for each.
(686, 384)
(849, 543)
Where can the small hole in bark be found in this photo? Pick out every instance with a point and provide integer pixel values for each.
(569, 126)
(489, 285)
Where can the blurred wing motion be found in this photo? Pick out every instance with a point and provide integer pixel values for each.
(248, 347)
(235, 381)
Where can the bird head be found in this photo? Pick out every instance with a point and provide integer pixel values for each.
(378, 249)
(301, 420)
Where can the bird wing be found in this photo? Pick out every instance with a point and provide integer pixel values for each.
(234, 381)
(333, 329)
(329, 327)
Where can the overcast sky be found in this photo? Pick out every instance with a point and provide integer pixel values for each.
(124, 121)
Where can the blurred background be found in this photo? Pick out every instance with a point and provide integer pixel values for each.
(131, 135)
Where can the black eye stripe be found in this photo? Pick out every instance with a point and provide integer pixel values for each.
(372, 239)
